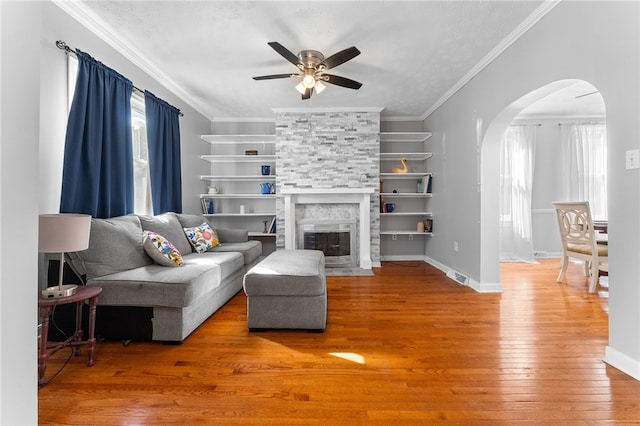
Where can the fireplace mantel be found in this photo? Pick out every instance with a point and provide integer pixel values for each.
(361, 196)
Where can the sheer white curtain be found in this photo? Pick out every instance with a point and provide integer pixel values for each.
(584, 156)
(517, 155)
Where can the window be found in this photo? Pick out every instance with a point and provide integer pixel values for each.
(584, 152)
(142, 180)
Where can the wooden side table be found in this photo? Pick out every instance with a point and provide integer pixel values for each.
(46, 305)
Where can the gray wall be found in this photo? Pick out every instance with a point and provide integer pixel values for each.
(34, 105)
(594, 41)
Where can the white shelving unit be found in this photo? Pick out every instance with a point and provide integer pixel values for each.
(401, 189)
(238, 178)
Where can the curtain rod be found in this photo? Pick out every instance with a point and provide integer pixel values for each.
(63, 46)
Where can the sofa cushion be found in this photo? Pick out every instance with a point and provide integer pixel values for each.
(287, 273)
(161, 250)
(155, 285)
(115, 245)
(250, 249)
(191, 220)
(168, 226)
(201, 237)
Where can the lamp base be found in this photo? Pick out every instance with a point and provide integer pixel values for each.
(65, 290)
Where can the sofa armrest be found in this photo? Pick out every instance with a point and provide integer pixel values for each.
(232, 235)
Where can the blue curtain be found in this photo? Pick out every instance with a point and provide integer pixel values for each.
(97, 176)
(163, 140)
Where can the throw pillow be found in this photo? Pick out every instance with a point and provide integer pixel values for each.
(202, 237)
(161, 250)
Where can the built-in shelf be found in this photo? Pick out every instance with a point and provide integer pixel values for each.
(407, 194)
(245, 178)
(239, 158)
(411, 156)
(411, 203)
(239, 196)
(239, 139)
(263, 214)
(407, 214)
(403, 175)
(231, 158)
(404, 136)
(428, 234)
(261, 234)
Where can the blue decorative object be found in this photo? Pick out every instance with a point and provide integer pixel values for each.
(210, 208)
(265, 170)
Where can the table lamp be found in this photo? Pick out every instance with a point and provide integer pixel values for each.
(60, 233)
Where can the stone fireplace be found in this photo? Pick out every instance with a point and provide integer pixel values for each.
(327, 164)
(323, 207)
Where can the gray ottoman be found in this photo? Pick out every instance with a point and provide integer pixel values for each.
(287, 289)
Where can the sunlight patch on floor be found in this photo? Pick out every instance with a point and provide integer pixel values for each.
(349, 356)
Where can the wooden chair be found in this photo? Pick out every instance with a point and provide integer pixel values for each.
(579, 239)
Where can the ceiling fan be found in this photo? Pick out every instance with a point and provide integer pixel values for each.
(313, 66)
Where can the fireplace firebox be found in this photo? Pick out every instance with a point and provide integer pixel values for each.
(336, 241)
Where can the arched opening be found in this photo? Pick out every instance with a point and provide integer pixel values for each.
(557, 100)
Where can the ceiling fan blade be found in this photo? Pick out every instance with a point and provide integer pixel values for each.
(341, 81)
(340, 57)
(271, 77)
(284, 52)
(307, 94)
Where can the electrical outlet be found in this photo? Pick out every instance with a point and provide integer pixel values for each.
(394, 237)
(410, 237)
(455, 246)
(632, 159)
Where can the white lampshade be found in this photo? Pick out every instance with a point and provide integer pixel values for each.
(61, 233)
(64, 232)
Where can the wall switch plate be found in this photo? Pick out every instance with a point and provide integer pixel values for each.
(632, 159)
(455, 246)
(394, 237)
(410, 237)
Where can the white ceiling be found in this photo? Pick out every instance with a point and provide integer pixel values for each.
(414, 54)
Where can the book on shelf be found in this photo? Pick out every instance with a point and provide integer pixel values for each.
(426, 184)
(207, 205)
(272, 226)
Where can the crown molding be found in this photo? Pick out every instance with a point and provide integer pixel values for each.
(518, 32)
(243, 120)
(328, 110)
(97, 26)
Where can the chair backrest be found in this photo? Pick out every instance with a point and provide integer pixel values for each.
(575, 223)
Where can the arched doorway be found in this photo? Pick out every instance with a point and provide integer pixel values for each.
(553, 97)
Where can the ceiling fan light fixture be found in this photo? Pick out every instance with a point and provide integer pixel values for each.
(308, 81)
(319, 87)
(300, 88)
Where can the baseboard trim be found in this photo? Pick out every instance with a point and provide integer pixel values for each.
(622, 362)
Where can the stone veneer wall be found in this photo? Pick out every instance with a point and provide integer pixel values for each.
(319, 149)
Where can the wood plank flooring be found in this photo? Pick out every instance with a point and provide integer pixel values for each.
(406, 346)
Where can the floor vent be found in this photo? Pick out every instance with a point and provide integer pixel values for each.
(458, 277)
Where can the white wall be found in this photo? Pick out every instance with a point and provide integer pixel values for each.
(594, 41)
(19, 86)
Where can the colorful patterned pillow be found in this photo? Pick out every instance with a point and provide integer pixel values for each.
(161, 250)
(202, 237)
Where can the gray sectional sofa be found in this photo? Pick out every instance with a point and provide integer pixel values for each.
(142, 299)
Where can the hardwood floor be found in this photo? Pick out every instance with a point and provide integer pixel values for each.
(407, 346)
